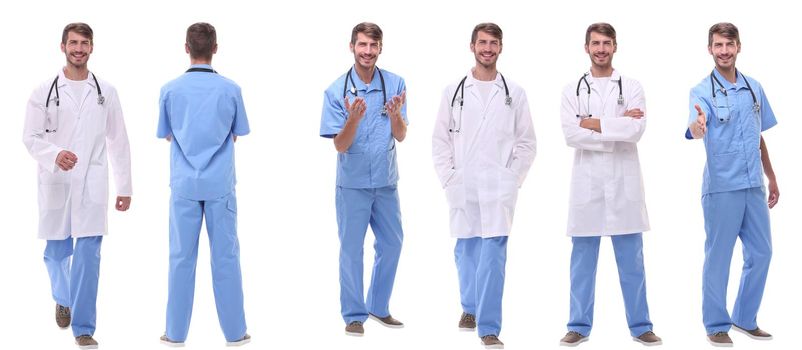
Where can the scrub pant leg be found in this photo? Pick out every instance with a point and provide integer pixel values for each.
(356, 208)
(584, 260)
(185, 223)
(481, 269)
(628, 250)
(385, 222)
(221, 226)
(756, 241)
(76, 286)
(724, 214)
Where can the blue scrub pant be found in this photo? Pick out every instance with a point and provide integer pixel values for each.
(729, 215)
(75, 285)
(356, 208)
(480, 266)
(628, 250)
(221, 225)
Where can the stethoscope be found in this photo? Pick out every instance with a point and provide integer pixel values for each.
(457, 124)
(54, 86)
(354, 90)
(726, 118)
(584, 78)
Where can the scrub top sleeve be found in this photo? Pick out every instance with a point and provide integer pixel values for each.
(767, 118)
(163, 129)
(241, 126)
(333, 118)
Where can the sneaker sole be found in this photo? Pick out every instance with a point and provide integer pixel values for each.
(354, 334)
(385, 324)
(466, 329)
(719, 345)
(85, 347)
(494, 346)
(172, 344)
(580, 341)
(238, 342)
(739, 329)
(659, 342)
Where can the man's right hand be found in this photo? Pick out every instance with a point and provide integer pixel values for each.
(699, 128)
(357, 109)
(66, 160)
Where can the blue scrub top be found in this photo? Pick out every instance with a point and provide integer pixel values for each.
(370, 162)
(202, 111)
(732, 147)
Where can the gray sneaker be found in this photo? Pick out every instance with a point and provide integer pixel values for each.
(355, 329)
(756, 333)
(86, 342)
(171, 343)
(720, 339)
(573, 338)
(242, 341)
(492, 342)
(63, 316)
(467, 322)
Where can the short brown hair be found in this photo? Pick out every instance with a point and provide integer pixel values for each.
(489, 28)
(81, 28)
(602, 28)
(725, 29)
(372, 30)
(201, 39)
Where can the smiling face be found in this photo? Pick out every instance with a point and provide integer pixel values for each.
(724, 51)
(77, 49)
(366, 51)
(486, 49)
(601, 49)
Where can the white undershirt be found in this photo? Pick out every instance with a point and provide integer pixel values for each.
(78, 89)
(602, 83)
(484, 89)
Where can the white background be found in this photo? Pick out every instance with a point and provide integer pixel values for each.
(283, 60)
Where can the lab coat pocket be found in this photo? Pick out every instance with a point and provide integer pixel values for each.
(52, 196)
(97, 185)
(580, 191)
(455, 194)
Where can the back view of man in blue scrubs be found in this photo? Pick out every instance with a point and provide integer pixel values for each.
(730, 110)
(364, 111)
(202, 113)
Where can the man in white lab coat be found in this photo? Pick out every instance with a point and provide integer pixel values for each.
(71, 123)
(603, 118)
(483, 146)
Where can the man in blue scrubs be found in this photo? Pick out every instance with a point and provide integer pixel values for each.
(364, 112)
(729, 111)
(202, 113)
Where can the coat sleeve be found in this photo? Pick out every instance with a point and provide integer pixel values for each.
(33, 134)
(525, 141)
(576, 136)
(442, 142)
(626, 129)
(118, 146)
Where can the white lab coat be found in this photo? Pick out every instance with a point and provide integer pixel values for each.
(607, 195)
(482, 166)
(75, 203)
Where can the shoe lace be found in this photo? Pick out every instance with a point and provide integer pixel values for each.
(720, 334)
(574, 333)
(490, 337)
(470, 317)
(355, 323)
